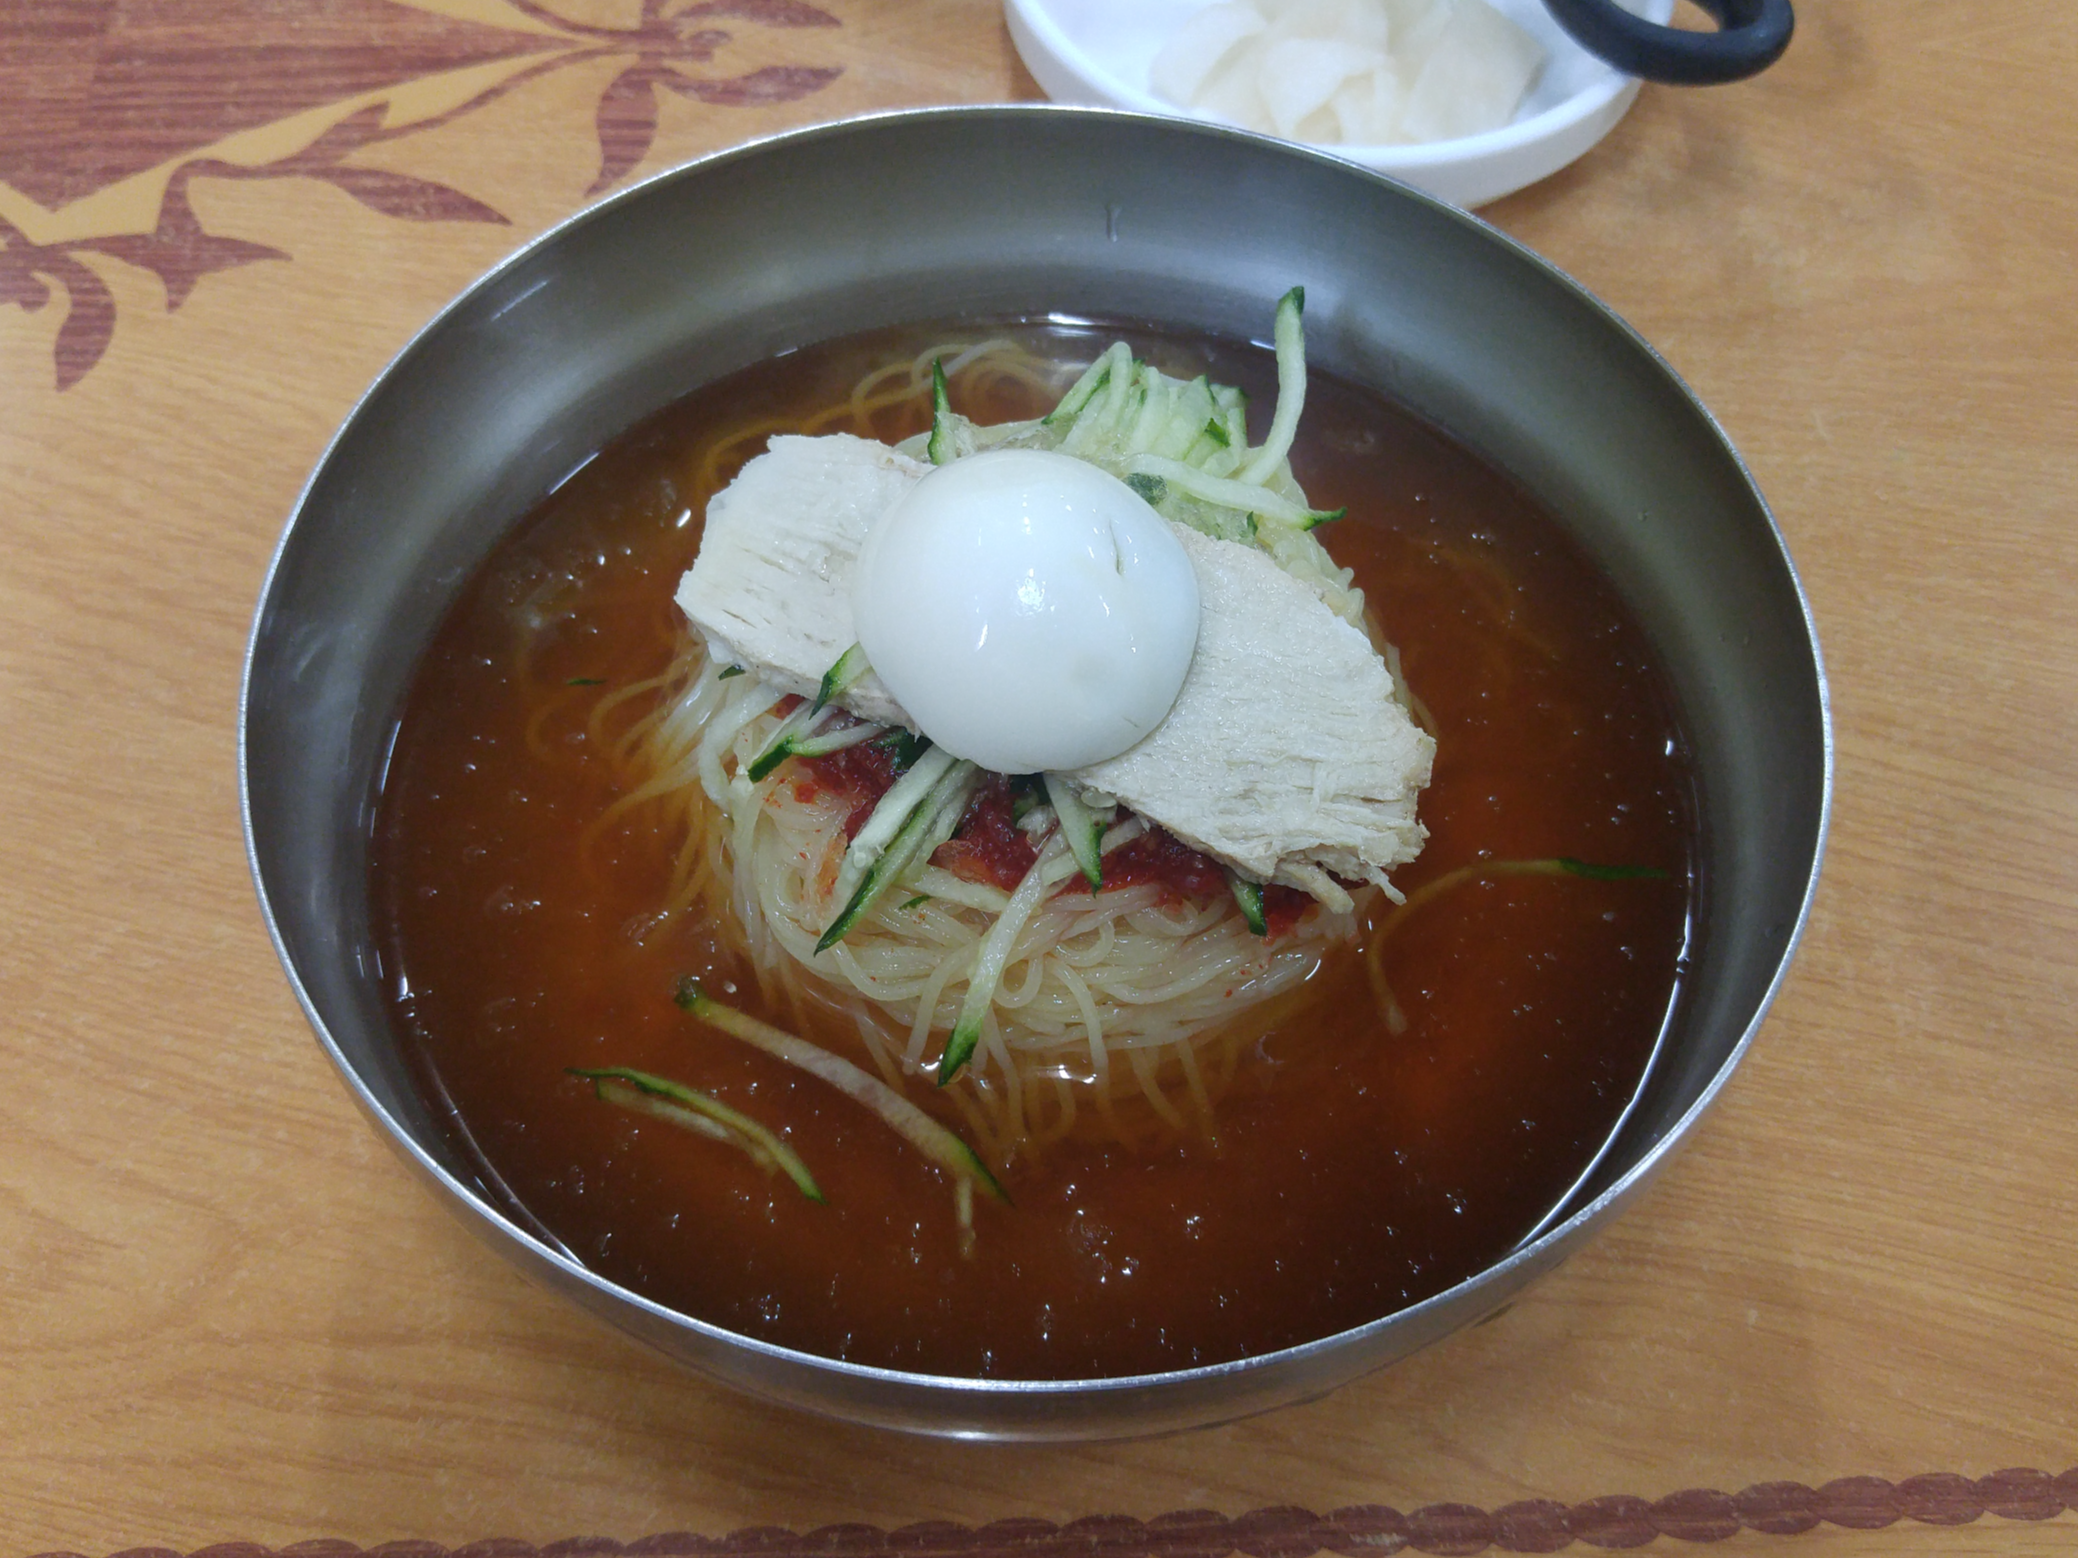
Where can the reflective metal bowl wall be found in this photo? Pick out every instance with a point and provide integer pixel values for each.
(990, 212)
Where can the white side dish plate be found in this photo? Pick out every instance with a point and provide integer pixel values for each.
(1099, 52)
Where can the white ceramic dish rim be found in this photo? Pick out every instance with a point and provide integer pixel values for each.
(1520, 135)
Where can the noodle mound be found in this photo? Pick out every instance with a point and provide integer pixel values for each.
(1118, 1015)
(1124, 1012)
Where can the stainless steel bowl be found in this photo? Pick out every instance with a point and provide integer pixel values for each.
(924, 216)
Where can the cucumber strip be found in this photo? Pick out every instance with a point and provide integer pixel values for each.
(1156, 408)
(607, 1089)
(1024, 799)
(943, 886)
(1016, 435)
(734, 670)
(1289, 333)
(1140, 396)
(1083, 831)
(1110, 408)
(1100, 414)
(1192, 407)
(1209, 444)
(904, 796)
(928, 825)
(1249, 895)
(947, 805)
(787, 740)
(993, 957)
(1222, 462)
(781, 746)
(836, 741)
(1595, 873)
(840, 678)
(1234, 406)
(1178, 431)
(1063, 865)
(1231, 494)
(1478, 870)
(922, 1132)
(940, 447)
(680, 1105)
(1079, 393)
(907, 747)
(1152, 489)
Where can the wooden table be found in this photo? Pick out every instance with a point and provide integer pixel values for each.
(226, 1313)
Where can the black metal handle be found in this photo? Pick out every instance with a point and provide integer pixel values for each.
(1751, 36)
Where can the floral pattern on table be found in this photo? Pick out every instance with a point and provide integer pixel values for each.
(104, 95)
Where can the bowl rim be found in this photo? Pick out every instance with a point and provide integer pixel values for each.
(1521, 1262)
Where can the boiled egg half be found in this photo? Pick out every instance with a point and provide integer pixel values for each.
(1031, 612)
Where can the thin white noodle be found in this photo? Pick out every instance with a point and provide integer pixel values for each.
(1150, 1087)
(1187, 1058)
(1170, 986)
(927, 1006)
(1013, 994)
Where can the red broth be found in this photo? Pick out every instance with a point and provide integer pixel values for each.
(1355, 1170)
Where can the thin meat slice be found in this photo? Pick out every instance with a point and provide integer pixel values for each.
(1287, 752)
(771, 588)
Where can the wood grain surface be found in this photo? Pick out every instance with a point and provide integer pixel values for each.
(227, 1313)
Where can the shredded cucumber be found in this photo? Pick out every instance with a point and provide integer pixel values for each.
(1083, 830)
(840, 678)
(1249, 895)
(1183, 446)
(1053, 867)
(1080, 393)
(993, 956)
(1289, 335)
(936, 1142)
(902, 798)
(907, 746)
(1595, 873)
(665, 1099)
(836, 741)
(1225, 492)
(925, 825)
(940, 447)
(1088, 433)
(802, 736)
(781, 746)
(947, 803)
(796, 735)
